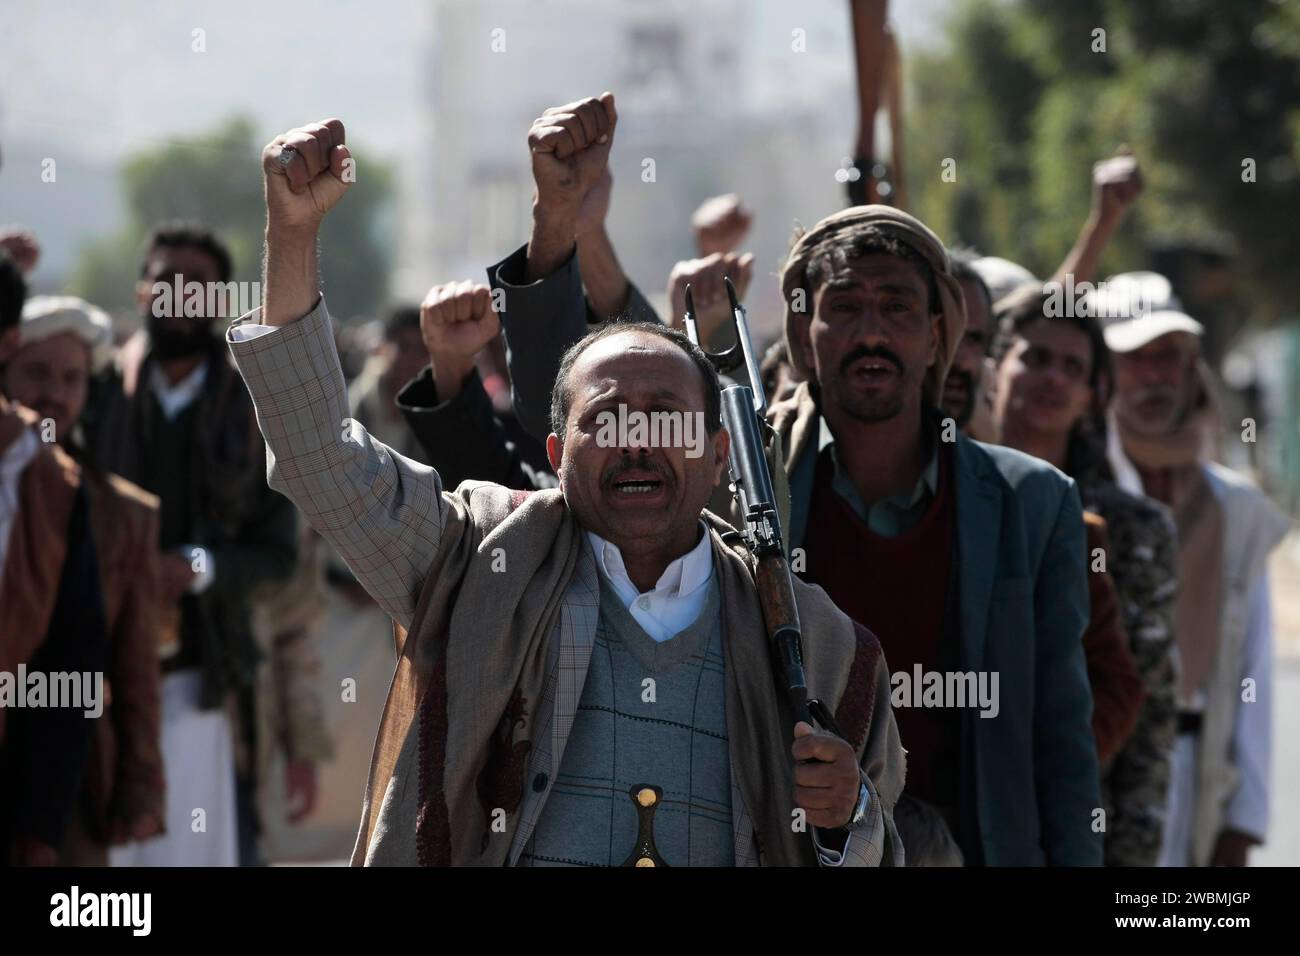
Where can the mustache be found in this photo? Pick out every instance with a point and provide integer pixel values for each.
(627, 463)
(863, 352)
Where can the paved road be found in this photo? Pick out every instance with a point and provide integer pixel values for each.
(1284, 844)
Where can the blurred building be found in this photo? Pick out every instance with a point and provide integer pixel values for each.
(722, 96)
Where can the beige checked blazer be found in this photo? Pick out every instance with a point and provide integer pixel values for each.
(384, 514)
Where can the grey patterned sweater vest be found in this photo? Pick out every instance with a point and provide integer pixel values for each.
(627, 731)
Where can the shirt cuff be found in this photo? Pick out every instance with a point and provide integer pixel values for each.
(831, 857)
(242, 333)
(249, 326)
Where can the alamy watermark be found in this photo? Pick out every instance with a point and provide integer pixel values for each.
(199, 300)
(955, 689)
(1068, 299)
(75, 908)
(76, 690)
(662, 429)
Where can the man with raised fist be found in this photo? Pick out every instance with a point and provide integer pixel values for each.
(945, 548)
(447, 406)
(705, 276)
(561, 642)
(720, 225)
(569, 261)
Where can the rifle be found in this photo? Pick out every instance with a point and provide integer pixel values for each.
(743, 409)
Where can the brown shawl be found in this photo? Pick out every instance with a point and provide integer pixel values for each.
(478, 648)
(38, 543)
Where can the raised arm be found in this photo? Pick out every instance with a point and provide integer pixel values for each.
(383, 513)
(609, 293)
(720, 224)
(545, 309)
(570, 149)
(708, 291)
(1116, 183)
(446, 406)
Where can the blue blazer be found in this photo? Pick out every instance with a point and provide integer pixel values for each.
(1030, 780)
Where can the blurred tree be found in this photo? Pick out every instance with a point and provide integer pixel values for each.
(216, 179)
(1023, 102)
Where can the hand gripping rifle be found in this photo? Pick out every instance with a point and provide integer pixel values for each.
(751, 484)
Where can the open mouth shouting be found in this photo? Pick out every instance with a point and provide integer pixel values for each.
(874, 371)
(636, 487)
(631, 487)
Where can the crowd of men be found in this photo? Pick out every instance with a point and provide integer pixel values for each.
(974, 482)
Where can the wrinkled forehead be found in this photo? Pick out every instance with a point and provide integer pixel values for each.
(635, 365)
(874, 271)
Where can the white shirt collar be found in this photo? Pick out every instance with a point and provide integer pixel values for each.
(682, 578)
(677, 598)
(174, 399)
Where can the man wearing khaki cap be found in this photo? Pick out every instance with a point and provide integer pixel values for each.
(1165, 417)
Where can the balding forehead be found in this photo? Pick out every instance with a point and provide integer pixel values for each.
(628, 356)
(633, 340)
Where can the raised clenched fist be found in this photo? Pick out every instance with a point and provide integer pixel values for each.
(570, 147)
(457, 320)
(708, 292)
(21, 246)
(720, 224)
(307, 170)
(1116, 183)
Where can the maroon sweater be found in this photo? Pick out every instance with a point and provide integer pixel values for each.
(903, 589)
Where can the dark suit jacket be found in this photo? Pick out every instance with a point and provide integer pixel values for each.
(540, 321)
(462, 439)
(250, 530)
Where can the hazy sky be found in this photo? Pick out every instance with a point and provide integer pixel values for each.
(87, 81)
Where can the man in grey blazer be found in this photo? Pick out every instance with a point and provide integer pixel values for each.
(966, 560)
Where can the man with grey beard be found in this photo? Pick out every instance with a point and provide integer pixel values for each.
(1166, 417)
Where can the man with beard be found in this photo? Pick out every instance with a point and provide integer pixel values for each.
(174, 418)
(1166, 418)
(62, 342)
(961, 557)
(964, 397)
(956, 553)
(51, 619)
(542, 670)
